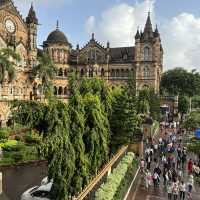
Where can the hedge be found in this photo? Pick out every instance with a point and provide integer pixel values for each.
(117, 183)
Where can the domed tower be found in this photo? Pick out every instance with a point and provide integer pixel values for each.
(148, 57)
(32, 23)
(57, 46)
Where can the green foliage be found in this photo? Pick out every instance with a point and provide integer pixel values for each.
(96, 136)
(196, 102)
(7, 64)
(46, 71)
(179, 81)
(192, 120)
(8, 145)
(77, 126)
(183, 105)
(154, 104)
(4, 134)
(124, 120)
(143, 104)
(194, 146)
(115, 180)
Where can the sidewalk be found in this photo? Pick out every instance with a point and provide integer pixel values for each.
(139, 191)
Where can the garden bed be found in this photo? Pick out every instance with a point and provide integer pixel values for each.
(21, 148)
(118, 182)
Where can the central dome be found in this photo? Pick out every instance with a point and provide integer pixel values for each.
(57, 37)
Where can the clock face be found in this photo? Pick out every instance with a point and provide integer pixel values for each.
(10, 26)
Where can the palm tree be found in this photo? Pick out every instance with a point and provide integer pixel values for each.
(8, 59)
(45, 71)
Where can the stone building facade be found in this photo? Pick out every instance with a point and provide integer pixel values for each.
(111, 64)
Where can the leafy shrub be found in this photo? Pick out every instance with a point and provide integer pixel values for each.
(18, 138)
(4, 134)
(9, 145)
(108, 190)
(32, 139)
(17, 156)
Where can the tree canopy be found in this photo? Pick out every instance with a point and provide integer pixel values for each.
(8, 60)
(179, 81)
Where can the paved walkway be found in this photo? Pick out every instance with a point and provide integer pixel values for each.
(139, 191)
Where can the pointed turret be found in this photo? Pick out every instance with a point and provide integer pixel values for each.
(156, 32)
(31, 18)
(137, 35)
(148, 30)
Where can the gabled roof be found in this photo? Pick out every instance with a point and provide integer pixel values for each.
(117, 54)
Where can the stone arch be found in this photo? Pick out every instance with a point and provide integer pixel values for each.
(60, 72)
(65, 91)
(102, 72)
(60, 91)
(55, 91)
(82, 72)
(65, 73)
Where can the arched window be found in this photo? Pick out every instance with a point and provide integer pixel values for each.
(102, 72)
(147, 54)
(112, 73)
(122, 73)
(90, 72)
(82, 72)
(60, 72)
(39, 90)
(10, 89)
(65, 72)
(146, 72)
(117, 73)
(55, 91)
(65, 91)
(60, 91)
(127, 73)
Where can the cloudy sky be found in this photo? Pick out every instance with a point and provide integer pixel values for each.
(117, 21)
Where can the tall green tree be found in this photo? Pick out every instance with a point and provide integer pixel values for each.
(8, 60)
(181, 82)
(96, 135)
(124, 121)
(77, 128)
(46, 71)
(154, 104)
(183, 105)
(143, 102)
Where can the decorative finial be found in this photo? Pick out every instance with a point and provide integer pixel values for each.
(77, 47)
(108, 44)
(92, 36)
(57, 25)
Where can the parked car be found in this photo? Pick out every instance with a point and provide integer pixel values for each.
(46, 181)
(38, 192)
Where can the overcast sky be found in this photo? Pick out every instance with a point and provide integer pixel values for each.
(117, 20)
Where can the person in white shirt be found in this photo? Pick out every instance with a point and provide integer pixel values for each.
(182, 190)
(169, 190)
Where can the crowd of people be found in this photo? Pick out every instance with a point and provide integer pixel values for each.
(166, 162)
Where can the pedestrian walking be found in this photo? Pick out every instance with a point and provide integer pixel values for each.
(175, 189)
(148, 179)
(190, 164)
(182, 190)
(169, 190)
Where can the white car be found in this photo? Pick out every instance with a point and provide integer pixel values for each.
(38, 192)
(46, 181)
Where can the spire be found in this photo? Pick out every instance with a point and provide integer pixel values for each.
(31, 18)
(148, 30)
(137, 35)
(57, 25)
(156, 32)
(92, 36)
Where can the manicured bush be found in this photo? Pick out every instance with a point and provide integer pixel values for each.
(32, 138)
(108, 190)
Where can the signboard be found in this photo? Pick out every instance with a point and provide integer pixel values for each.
(197, 133)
